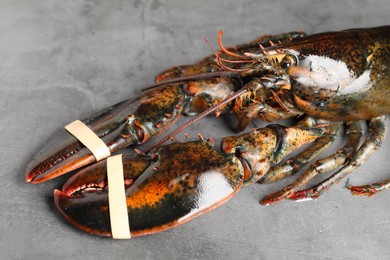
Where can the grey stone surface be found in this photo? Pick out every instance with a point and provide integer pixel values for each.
(61, 60)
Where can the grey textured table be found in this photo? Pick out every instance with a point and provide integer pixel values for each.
(62, 60)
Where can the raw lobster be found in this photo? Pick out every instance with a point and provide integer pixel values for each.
(333, 78)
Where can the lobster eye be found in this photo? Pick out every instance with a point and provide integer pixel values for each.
(288, 61)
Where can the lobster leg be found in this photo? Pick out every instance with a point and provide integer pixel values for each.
(370, 189)
(357, 158)
(321, 166)
(263, 111)
(295, 164)
(273, 142)
(265, 107)
(271, 114)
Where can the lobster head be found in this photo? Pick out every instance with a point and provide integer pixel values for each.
(312, 68)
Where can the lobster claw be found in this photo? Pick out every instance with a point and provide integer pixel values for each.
(65, 153)
(161, 191)
(130, 122)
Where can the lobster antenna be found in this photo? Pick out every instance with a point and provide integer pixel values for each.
(231, 73)
(200, 76)
(196, 118)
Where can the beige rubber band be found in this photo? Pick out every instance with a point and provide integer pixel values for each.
(119, 218)
(88, 138)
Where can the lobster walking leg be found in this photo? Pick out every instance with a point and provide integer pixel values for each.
(274, 142)
(370, 189)
(321, 166)
(357, 158)
(294, 164)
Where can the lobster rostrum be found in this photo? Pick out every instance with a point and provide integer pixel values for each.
(332, 78)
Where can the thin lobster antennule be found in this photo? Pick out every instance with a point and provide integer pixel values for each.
(221, 60)
(229, 73)
(227, 51)
(196, 118)
(229, 69)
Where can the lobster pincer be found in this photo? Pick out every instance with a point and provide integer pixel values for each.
(173, 190)
(130, 122)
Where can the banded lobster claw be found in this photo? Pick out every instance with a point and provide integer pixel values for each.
(132, 121)
(179, 181)
(162, 191)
